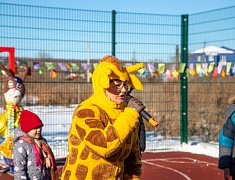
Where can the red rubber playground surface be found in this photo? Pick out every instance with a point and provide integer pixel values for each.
(170, 166)
(179, 166)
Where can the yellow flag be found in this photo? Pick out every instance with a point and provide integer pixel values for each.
(53, 73)
(175, 73)
(223, 73)
(193, 72)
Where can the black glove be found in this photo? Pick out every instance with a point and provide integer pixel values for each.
(133, 103)
(226, 173)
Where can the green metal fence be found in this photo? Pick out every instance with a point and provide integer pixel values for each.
(208, 95)
(187, 107)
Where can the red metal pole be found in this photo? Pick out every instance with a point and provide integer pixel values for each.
(11, 60)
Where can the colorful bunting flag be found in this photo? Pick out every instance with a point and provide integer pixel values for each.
(49, 65)
(168, 74)
(175, 74)
(223, 73)
(191, 67)
(42, 70)
(211, 67)
(63, 67)
(86, 66)
(231, 72)
(215, 74)
(220, 67)
(204, 68)
(151, 67)
(168, 70)
(53, 73)
(141, 71)
(193, 72)
(182, 67)
(144, 73)
(36, 65)
(156, 73)
(229, 64)
(68, 66)
(74, 66)
(161, 68)
(200, 74)
(95, 64)
(198, 68)
(187, 72)
(233, 68)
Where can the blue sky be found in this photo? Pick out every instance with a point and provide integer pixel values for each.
(141, 6)
(29, 42)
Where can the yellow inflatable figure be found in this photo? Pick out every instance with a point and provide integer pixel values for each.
(14, 91)
(103, 138)
(9, 120)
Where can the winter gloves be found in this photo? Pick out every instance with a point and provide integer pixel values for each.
(134, 103)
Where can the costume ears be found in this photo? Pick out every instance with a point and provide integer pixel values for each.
(134, 67)
(135, 82)
(10, 73)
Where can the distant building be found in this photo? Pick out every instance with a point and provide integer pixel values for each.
(212, 54)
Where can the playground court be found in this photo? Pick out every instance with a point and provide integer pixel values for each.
(169, 166)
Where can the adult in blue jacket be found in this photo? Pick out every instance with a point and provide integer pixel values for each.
(226, 143)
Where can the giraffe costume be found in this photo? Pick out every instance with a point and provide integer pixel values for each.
(103, 137)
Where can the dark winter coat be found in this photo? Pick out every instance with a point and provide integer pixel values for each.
(226, 142)
(27, 163)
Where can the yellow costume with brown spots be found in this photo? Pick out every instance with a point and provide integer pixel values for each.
(103, 138)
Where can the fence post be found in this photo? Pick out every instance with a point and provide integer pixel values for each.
(184, 81)
(113, 31)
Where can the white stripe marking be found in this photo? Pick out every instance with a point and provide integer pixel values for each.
(171, 160)
(171, 169)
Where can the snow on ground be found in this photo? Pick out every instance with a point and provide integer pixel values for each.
(57, 122)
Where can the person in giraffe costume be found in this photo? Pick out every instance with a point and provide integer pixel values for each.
(103, 137)
(14, 91)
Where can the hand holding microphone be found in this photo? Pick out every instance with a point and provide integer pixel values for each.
(136, 104)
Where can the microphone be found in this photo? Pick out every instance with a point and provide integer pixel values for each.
(149, 118)
(143, 113)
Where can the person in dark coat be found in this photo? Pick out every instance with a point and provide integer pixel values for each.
(32, 157)
(226, 143)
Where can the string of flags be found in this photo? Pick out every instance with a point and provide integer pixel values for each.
(169, 70)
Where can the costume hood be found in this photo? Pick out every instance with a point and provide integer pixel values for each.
(110, 67)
